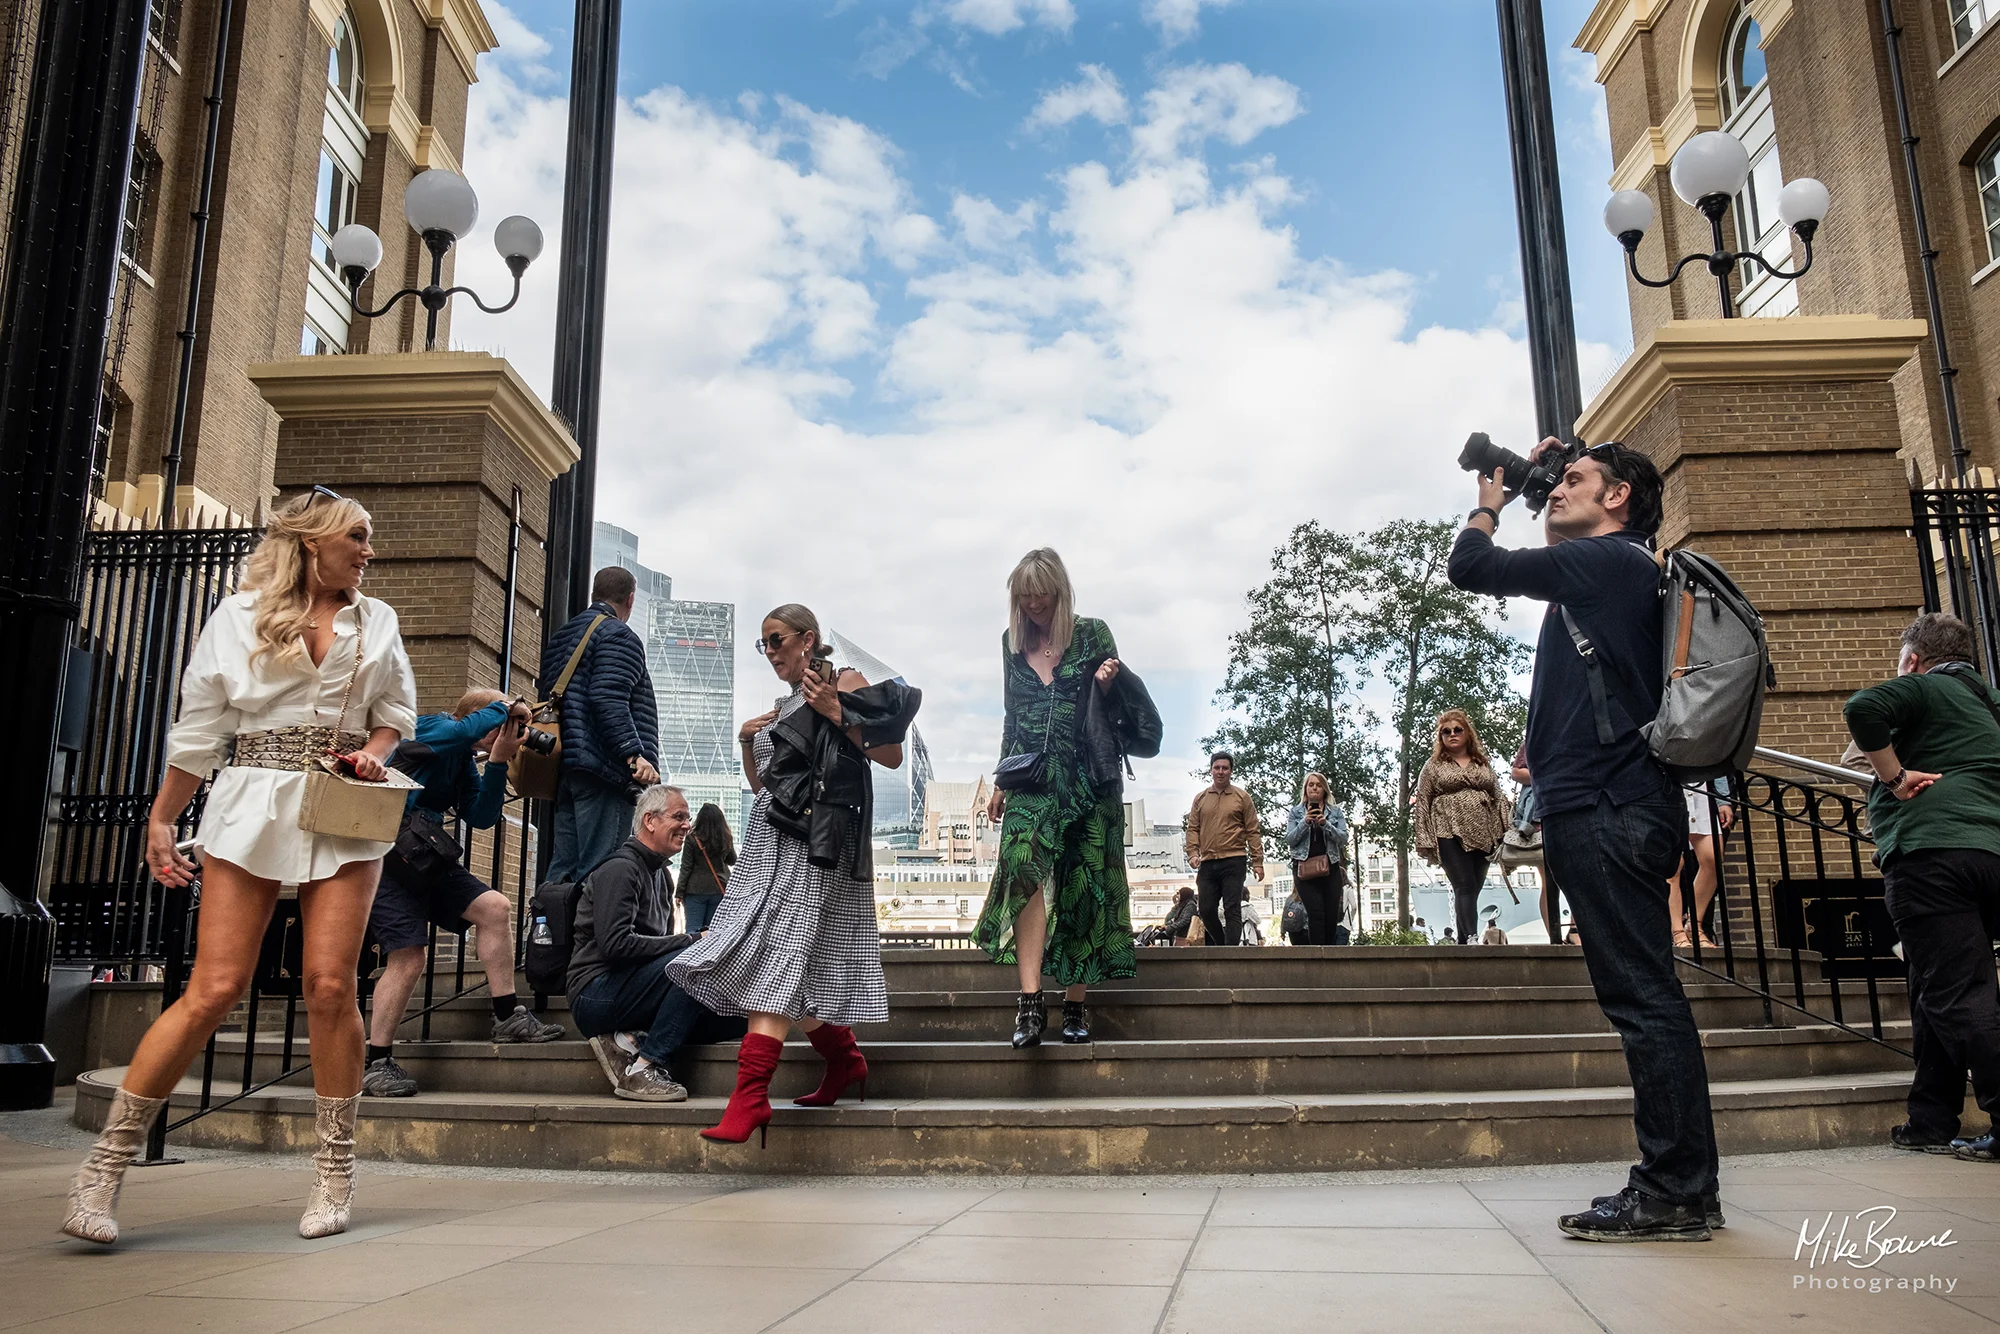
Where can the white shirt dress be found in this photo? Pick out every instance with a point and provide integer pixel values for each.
(251, 819)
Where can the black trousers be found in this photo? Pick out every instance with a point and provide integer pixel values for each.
(1552, 908)
(1219, 885)
(1614, 862)
(1466, 870)
(637, 996)
(1322, 899)
(1946, 906)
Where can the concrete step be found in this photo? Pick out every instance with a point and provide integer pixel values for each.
(1151, 1070)
(1099, 1135)
(1202, 1013)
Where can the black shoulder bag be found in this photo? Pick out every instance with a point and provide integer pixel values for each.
(1028, 771)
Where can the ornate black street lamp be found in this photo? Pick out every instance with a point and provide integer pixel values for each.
(1709, 171)
(441, 207)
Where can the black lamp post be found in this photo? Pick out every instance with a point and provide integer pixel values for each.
(1709, 171)
(441, 207)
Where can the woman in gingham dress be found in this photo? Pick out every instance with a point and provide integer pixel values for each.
(791, 943)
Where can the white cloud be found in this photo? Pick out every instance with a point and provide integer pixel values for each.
(1142, 369)
(1096, 95)
(1227, 102)
(1177, 20)
(996, 18)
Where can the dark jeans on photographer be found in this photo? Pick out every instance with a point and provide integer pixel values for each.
(1613, 862)
(593, 818)
(1219, 884)
(1946, 905)
(636, 997)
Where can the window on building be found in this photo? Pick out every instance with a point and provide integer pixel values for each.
(1745, 90)
(135, 240)
(163, 24)
(1969, 17)
(343, 152)
(1989, 197)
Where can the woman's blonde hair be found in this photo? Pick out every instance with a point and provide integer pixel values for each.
(1472, 746)
(282, 570)
(1326, 788)
(1042, 574)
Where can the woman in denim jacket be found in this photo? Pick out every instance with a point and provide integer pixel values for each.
(1317, 827)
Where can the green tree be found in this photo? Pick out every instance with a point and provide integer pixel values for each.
(1435, 647)
(1340, 611)
(1291, 686)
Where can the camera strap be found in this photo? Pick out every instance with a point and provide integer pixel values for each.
(1600, 703)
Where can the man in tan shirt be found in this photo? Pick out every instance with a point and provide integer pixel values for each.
(1223, 842)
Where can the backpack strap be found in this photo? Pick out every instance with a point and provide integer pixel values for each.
(1600, 704)
(1971, 682)
(576, 657)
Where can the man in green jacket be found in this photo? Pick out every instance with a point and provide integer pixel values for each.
(1933, 737)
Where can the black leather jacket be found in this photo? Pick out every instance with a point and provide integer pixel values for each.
(1114, 724)
(821, 791)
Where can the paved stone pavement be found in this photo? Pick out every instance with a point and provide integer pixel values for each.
(212, 1245)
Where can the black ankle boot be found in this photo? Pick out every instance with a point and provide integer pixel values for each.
(1076, 1022)
(1030, 1018)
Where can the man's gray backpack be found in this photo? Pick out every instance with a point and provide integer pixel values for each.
(1716, 669)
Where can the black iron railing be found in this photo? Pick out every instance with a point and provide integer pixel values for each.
(1797, 893)
(1957, 529)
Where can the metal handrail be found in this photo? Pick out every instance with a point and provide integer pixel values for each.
(1820, 768)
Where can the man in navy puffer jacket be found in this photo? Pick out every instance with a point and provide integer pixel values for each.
(610, 728)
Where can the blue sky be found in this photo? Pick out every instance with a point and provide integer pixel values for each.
(904, 289)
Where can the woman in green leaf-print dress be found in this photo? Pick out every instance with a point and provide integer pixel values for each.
(1059, 903)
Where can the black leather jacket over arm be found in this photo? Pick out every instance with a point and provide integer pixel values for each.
(821, 791)
(1114, 724)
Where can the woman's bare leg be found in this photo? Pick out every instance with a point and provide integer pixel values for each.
(776, 1025)
(1704, 881)
(1031, 935)
(235, 909)
(335, 912)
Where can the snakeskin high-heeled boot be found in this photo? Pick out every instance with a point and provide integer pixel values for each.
(333, 1164)
(94, 1194)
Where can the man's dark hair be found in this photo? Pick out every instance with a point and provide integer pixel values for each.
(1222, 755)
(614, 584)
(1622, 463)
(1938, 637)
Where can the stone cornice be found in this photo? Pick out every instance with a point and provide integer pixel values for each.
(1612, 28)
(1747, 351)
(465, 30)
(433, 151)
(419, 384)
(1648, 155)
(325, 16)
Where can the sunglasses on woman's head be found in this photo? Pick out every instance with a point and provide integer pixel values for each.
(326, 491)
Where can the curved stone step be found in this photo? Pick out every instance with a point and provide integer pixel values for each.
(889, 1137)
(1155, 1069)
(1202, 1013)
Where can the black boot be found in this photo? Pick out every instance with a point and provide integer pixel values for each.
(1633, 1216)
(1076, 1022)
(1030, 1018)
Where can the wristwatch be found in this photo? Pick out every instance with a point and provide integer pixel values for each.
(1488, 511)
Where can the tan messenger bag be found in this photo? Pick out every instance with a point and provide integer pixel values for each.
(533, 775)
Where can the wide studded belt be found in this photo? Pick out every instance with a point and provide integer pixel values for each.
(295, 748)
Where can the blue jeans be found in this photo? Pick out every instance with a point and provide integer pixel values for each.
(636, 997)
(1613, 862)
(592, 819)
(698, 910)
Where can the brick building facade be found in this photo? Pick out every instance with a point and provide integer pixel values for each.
(329, 108)
(1808, 87)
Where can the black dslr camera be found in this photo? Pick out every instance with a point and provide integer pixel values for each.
(1530, 481)
(534, 738)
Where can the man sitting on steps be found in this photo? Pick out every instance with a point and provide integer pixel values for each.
(618, 990)
(424, 882)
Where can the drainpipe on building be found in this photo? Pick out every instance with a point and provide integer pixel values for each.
(1961, 462)
(190, 330)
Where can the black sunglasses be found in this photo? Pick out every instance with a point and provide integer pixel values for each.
(772, 643)
(326, 491)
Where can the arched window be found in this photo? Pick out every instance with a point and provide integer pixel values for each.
(1745, 91)
(343, 150)
(1969, 16)
(1989, 197)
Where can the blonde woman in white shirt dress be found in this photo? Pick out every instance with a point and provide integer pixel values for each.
(298, 664)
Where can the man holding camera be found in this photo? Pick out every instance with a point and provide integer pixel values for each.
(1614, 825)
(610, 727)
(425, 882)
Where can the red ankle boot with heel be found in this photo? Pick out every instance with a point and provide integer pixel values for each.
(845, 1066)
(750, 1105)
